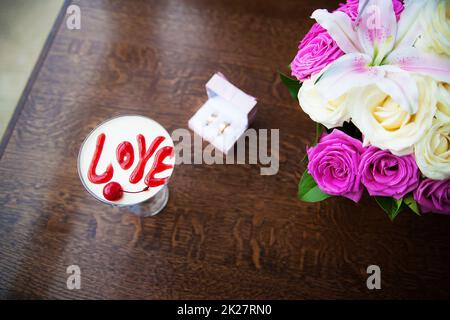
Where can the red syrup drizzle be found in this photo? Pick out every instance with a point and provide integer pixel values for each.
(158, 166)
(113, 191)
(108, 174)
(125, 155)
(144, 156)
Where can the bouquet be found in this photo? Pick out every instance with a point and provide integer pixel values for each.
(374, 75)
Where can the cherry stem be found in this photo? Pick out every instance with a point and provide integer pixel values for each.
(145, 189)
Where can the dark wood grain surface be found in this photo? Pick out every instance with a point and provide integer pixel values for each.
(227, 231)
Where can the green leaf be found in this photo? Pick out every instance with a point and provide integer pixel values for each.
(320, 77)
(390, 205)
(308, 190)
(293, 85)
(305, 158)
(319, 129)
(411, 203)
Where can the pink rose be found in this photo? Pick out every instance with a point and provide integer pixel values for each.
(433, 196)
(318, 49)
(388, 175)
(334, 162)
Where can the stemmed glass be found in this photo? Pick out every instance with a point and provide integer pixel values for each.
(119, 129)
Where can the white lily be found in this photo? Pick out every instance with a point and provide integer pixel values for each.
(379, 51)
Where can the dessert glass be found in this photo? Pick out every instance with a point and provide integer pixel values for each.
(119, 129)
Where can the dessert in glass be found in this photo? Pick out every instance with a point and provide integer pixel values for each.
(128, 160)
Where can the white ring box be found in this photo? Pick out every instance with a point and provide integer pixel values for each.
(225, 116)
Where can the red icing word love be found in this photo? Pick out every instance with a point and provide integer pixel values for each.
(125, 155)
(125, 158)
(144, 156)
(108, 174)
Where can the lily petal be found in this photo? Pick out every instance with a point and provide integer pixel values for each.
(339, 26)
(377, 28)
(415, 61)
(347, 72)
(409, 25)
(402, 88)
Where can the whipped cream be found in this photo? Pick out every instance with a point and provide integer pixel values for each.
(118, 130)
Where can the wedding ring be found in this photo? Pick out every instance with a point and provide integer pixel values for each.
(211, 118)
(223, 127)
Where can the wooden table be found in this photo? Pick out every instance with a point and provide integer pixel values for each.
(227, 231)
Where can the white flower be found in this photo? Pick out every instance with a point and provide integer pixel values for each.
(379, 51)
(435, 24)
(443, 103)
(330, 113)
(385, 124)
(433, 151)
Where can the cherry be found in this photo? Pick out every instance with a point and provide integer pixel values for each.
(112, 191)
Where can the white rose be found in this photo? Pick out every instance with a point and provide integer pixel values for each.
(433, 151)
(330, 113)
(435, 25)
(443, 103)
(385, 124)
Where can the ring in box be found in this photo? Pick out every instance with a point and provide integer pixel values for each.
(225, 116)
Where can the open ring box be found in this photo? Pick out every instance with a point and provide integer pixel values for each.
(225, 116)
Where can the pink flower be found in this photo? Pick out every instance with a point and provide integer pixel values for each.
(318, 49)
(433, 196)
(387, 175)
(334, 162)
